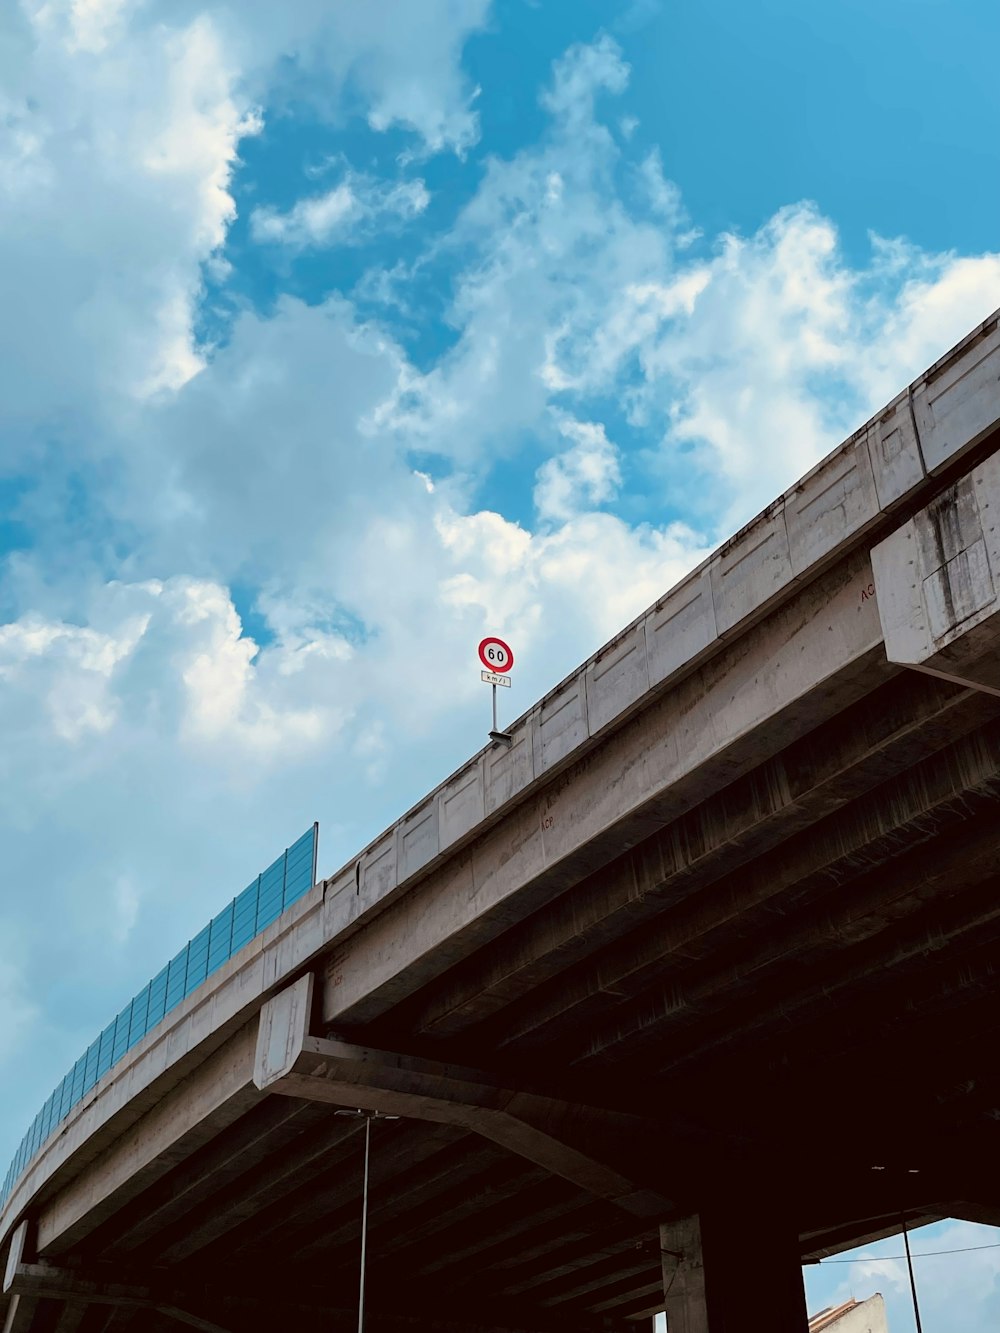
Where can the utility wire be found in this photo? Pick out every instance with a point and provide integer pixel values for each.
(924, 1254)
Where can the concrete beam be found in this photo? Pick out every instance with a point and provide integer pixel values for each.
(835, 764)
(625, 967)
(242, 1152)
(291, 1062)
(575, 1257)
(270, 1306)
(519, 1230)
(432, 1201)
(44, 1281)
(287, 1198)
(71, 1316)
(969, 903)
(853, 839)
(216, 1094)
(938, 583)
(812, 658)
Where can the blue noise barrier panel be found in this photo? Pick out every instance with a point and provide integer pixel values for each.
(275, 889)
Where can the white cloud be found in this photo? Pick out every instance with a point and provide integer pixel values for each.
(170, 650)
(120, 124)
(399, 62)
(348, 213)
(585, 71)
(740, 360)
(586, 475)
(119, 152)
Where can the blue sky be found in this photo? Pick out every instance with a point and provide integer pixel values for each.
(333, 337)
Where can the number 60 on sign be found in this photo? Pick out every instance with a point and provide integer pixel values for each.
(496, 655)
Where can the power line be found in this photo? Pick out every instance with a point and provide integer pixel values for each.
(924, 1254)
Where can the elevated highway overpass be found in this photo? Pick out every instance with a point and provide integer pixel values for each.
(694, 981)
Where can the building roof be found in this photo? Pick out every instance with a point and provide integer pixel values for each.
(826, 1319)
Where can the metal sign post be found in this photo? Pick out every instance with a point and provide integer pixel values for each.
(497, 659)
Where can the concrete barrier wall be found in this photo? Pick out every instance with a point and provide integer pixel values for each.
(946, 412)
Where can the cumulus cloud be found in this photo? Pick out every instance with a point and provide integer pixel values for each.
(349, 212)
(584, 476)
(400, 60)
(119, 201)
(740, 359)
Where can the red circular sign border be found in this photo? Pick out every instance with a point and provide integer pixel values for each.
(491, 666)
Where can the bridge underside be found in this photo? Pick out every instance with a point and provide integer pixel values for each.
(777, 1015)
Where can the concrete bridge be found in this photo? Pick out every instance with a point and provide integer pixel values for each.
(693, 982)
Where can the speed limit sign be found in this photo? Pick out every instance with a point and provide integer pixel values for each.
(495, 655)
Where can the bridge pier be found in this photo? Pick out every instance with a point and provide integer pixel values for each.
(732, 1266)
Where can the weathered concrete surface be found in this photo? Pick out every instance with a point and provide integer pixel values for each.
(214, 1095)
(812, 657)
(205, 1021)
(683, 1277)
(294, 1063)
(938, 580)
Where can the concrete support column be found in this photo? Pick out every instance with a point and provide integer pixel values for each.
(735, 1266)
(683, 1277)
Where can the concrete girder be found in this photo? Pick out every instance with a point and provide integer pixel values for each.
(71, 1316)
(926, 871)
(834, 1240)
(836, 848)
(271, 1308)
(120, 1318)
(637, 1290)
(849, 842)
(975, 1210)
(578, 1285)
(458, 1180)
(323, 1219)
(245, 1203)
(299, 1203)
(915, 1122)
(938, 583)
(240, 1152)
(812, 658)
(445, 1204)
(42, 1281)
(582, 1258)
(524, 1228)
(291, 1062)
(877, 738)
(213, 1097)
(591, 1236)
